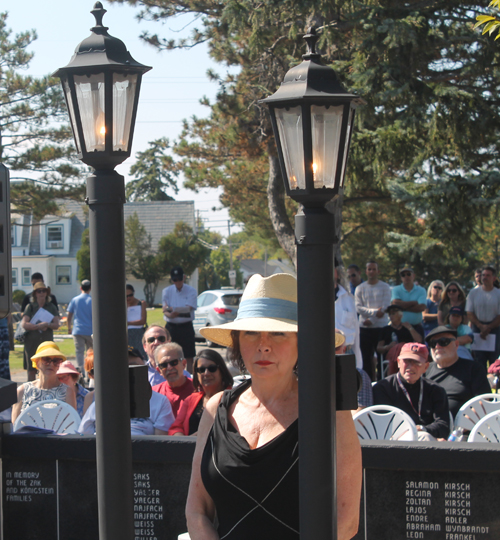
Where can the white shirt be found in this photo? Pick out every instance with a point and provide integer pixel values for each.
(160, 417)
(346, 319)
(173, 298)
(368, 299)
(484, 304)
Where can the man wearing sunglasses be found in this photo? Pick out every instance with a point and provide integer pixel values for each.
(153, 337)
(411, 298)
(179, 304)
(177, 387)
(422, 399)
(462, 379)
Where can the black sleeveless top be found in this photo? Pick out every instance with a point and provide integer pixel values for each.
(255, 492)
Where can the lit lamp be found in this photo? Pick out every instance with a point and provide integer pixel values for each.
(101, 85)
(312, 117)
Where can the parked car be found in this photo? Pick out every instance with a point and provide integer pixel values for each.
(214, 308)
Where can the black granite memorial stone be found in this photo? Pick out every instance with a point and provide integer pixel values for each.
(29, 499)
(430, 505)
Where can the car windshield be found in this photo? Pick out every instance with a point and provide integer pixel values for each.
(231, 299)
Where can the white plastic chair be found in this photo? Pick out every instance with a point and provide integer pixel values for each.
(487, 430)
(475, 409)
(386, 423)
(50, 414)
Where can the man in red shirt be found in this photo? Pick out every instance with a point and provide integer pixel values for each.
(177, 387)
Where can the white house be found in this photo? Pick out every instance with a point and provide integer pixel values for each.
(49, 246)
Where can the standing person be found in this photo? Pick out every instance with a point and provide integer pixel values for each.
(136, 320)
(245, 467)
(36, 277)
(80, 310)
(453, 296)
(4, 348)
(153, 337)
(410, 298)
(179, 305)
(477, 277)
(346, 317)
(423, 400)
(371, 299)
(177, 387)
(483, 310)
(38, 332)
(430, 314)
(354, 275)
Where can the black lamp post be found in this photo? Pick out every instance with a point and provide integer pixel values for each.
(312, 117)
(101, 85)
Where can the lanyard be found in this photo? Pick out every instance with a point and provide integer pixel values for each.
(400, 382)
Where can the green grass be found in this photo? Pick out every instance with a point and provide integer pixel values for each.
(155, 316)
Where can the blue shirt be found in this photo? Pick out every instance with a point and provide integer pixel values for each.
(81, 308)
(417, 294)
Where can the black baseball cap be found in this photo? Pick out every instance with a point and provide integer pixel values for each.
(177, 272)
(393, 307)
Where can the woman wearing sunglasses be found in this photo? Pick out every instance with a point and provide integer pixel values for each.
(210, 375)
(434, 293)
(47, 360)
(453, 296)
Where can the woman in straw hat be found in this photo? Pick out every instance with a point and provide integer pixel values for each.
(39, 329)
(245, 467)
(47, 360)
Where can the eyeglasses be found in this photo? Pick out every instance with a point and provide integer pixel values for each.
(130, 295)
(442, 342)
(175, 279)
(164, 365)
(452, 290)
(161, 339)
(437, 287)
(48, 360)
(353, 275)
(39, 291)
(91, 372)
(412, 362)
(212, 369)
(405, 274)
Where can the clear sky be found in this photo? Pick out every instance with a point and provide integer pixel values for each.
(170, 92)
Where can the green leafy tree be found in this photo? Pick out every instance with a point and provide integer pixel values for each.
(154, 172)
(140, 260)
(424, 164)
(490, 23)
(181, 247)
(35, 140)
(83, 257)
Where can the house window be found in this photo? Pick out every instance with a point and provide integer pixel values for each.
(14, 277)
(26, 272)
(54, 236)
(63, 275)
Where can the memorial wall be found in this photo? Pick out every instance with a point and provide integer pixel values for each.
(426, 491)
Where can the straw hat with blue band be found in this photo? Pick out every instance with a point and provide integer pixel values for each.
(267, 305)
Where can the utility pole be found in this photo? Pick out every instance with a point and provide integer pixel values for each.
(232, 273)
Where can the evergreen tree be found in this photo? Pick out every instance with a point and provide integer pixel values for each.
(83, 257)
(35, 138)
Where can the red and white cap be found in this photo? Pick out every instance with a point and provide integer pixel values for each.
(414, 351)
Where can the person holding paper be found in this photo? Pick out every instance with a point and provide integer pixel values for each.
(483, 310)
(40, 319)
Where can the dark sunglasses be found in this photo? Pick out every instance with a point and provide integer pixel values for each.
(175, 279)
(442, 342)
(48, 360)
(405, 274)
(130, 295)
(212, 369)
(452, 290)
(161, 339)
(91, 372)
(173, 363)
(437, 287)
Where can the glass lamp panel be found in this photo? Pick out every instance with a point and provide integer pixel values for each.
(346, 147)
(289, 123)
(69, 101)
(90, 97)
(124, 90)
(326, 125)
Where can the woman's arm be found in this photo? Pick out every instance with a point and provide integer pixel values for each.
(200, 508)
(87, 400)
(54, 324)
(27, 325)
(16, 408)
(440, 318)
(349, 472)
(71, 396)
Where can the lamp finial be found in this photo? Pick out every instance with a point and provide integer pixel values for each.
(311, 38)
(98, 12)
